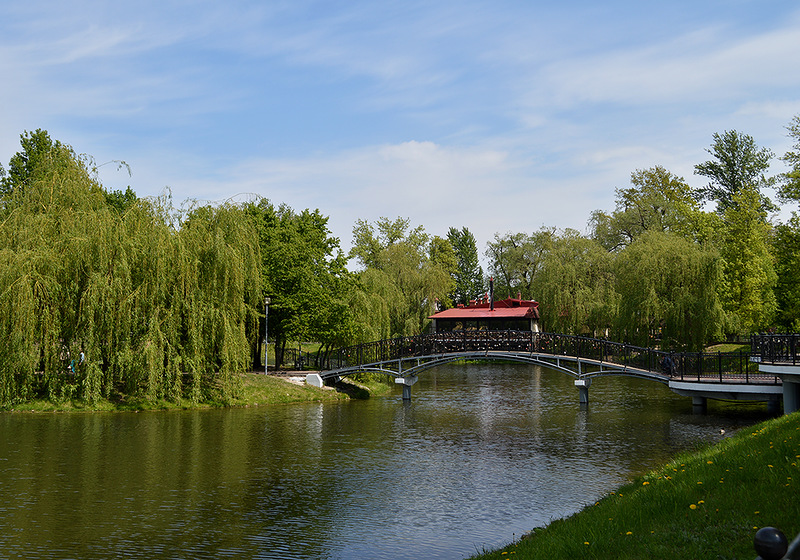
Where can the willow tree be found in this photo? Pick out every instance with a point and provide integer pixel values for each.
(668, 288)
(142, 301)
(575, 286)
(407, 268)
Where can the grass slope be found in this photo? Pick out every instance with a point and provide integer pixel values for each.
(705, 504)
(256, 389)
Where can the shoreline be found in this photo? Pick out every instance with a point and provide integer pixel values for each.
(706, 503)
(257, 389)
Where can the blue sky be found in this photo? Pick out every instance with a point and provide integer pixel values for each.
(499, 116)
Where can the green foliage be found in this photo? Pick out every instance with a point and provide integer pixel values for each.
(576, 285)
(789, 188)
(668, 289)
(738, 163)
(515, 260)
(657, 201)
(405, 274)
(787, 267)
(748, 294)
(304, 274)
(121, 201)
(144, 301)
(468, 275)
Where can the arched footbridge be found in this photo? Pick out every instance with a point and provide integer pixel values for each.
(699, 375)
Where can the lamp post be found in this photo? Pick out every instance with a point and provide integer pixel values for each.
(266, 340)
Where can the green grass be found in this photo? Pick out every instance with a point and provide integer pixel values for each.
(706, 504)
(256, 390)
(729, 347)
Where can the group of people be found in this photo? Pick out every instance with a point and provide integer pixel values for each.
(71, 368)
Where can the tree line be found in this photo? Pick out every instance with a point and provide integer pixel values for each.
(168, 302)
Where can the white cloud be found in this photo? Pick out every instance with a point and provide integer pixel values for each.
(706, 64)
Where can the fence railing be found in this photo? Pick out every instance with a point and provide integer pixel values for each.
(689, 366)
(775, 348)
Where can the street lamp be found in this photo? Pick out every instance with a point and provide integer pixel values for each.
(266, 343)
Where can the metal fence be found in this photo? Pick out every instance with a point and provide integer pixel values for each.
(775, 348)
(689, 366)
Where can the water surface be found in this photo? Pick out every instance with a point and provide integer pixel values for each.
(482, 454)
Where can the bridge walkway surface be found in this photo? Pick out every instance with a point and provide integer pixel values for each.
(699, 375)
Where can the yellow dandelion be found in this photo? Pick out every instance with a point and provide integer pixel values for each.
(693, 506)
(629, 533)
(710, 462)
(701, 502)
(586, 543)
(645, 483)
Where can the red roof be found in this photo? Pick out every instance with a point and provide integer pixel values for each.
(509, 308)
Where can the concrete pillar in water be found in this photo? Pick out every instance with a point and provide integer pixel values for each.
(699, 404)
(583, 389)
(406, 382)
(774, 406)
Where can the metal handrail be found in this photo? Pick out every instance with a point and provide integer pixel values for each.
(717, 367)
(775, 348)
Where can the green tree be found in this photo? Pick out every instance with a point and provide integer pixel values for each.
(143, 301)
(737, 163)
(668, 288)
(748, 297)
(468, 275)
(787, 267)
(789, 188)
(576, 285)
(303, 272)
(656, 201)
(408, 271)
(515, 260)
(39, 155)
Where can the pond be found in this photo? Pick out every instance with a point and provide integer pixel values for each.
(482, 454)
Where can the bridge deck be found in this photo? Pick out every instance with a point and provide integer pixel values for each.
(577, 356)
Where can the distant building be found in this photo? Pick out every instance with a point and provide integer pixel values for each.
(510, 314)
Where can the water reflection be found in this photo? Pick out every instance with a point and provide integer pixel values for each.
(482, 453)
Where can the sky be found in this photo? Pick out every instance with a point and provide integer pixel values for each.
(499, 116)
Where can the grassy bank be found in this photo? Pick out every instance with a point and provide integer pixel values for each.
(256, 390)
(705, 504)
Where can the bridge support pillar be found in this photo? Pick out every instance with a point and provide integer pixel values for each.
(583, 390)
(314, 379)
(791, 396)
(406, 382)
(699, 405)
(774, 406)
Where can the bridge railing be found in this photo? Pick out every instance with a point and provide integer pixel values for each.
(775, 348)
(688, 366)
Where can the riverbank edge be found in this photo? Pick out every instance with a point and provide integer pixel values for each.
(707, 503)
(257, 389)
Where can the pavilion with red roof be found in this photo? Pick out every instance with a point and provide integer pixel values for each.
(510, 314)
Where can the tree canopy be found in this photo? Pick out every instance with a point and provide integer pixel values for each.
(737, 163)
(405, 274)
(144, 302)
